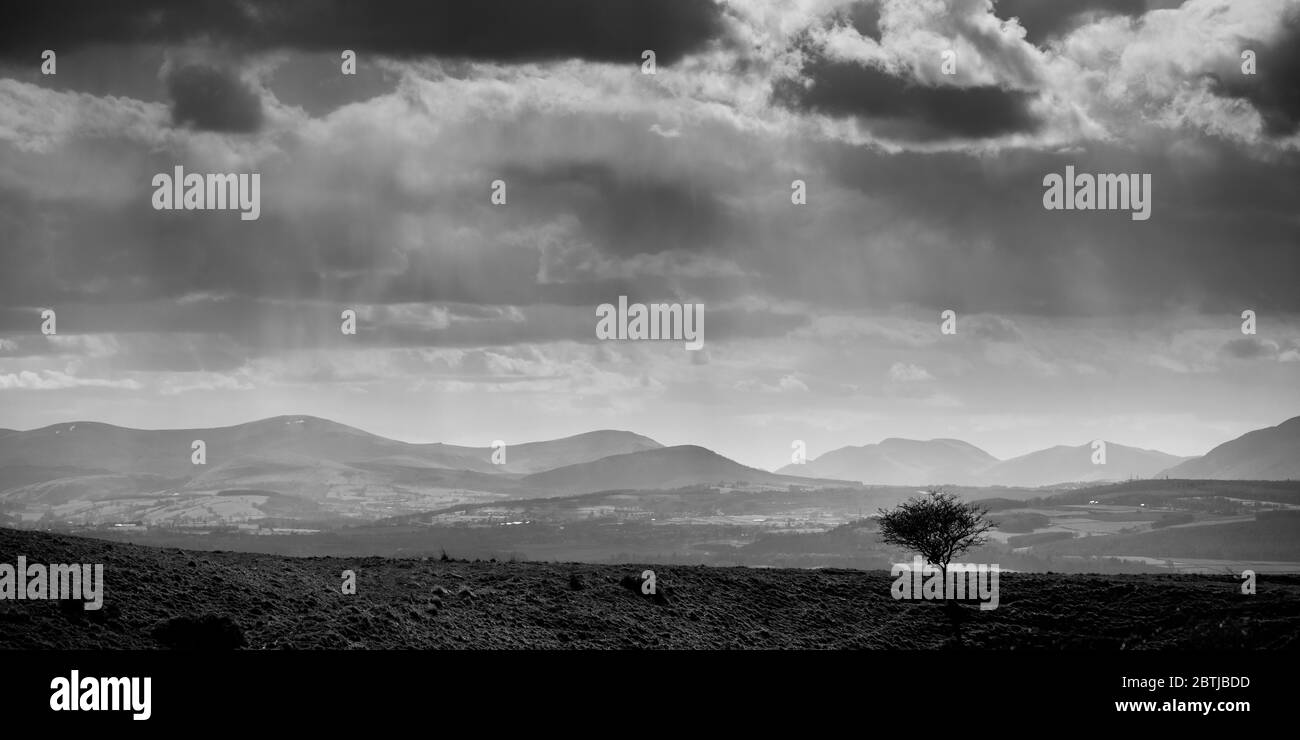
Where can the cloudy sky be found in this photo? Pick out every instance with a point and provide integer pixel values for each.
(477, 321)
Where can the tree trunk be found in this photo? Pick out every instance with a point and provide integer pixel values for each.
(952, 608)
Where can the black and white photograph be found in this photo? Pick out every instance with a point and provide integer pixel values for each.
(751, 334)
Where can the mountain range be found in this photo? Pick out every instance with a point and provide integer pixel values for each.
(1272, 453)
(303, 468)
(938, 461)
(900, 462)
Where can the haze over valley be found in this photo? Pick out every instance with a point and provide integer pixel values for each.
(303, 484)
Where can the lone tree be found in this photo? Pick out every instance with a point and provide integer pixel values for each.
(938, 526)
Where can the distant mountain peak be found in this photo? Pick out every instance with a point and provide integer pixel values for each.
(660, 468)
(899, 461)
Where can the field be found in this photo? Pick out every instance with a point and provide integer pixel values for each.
(1148, 526)
(156, 598)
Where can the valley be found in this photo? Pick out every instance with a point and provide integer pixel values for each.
(308, 486)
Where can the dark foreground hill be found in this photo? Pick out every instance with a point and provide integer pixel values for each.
(157, 598)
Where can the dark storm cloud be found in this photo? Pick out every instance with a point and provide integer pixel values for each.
(1045, 19)
(1274, 90)
(213, 99)
(130, 253)
(130, 72)
(948, 230)
(939, 231)
(505, 30)
(899, 108)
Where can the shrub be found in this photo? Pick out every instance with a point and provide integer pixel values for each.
(937, 525)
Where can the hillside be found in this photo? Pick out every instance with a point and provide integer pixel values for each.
(278, 602)
(897, 461)
(1272, 453)
(1063, 464)
(166, 452)
(92, 473)
(668, 467)
(533, 457)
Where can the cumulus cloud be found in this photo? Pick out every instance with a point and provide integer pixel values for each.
(1047, 19)
(1274, 89)
(924, 194)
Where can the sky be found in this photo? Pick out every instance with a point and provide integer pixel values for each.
(924, 179)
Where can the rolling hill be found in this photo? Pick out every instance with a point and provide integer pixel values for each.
(167, 451)
(950, 461)
(92, 473)
(88, 472)
(667, 467)
(93, 445)
(164, 598)
(1272, 453)
(534, 457)
(897, 461)
(1065, 464)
